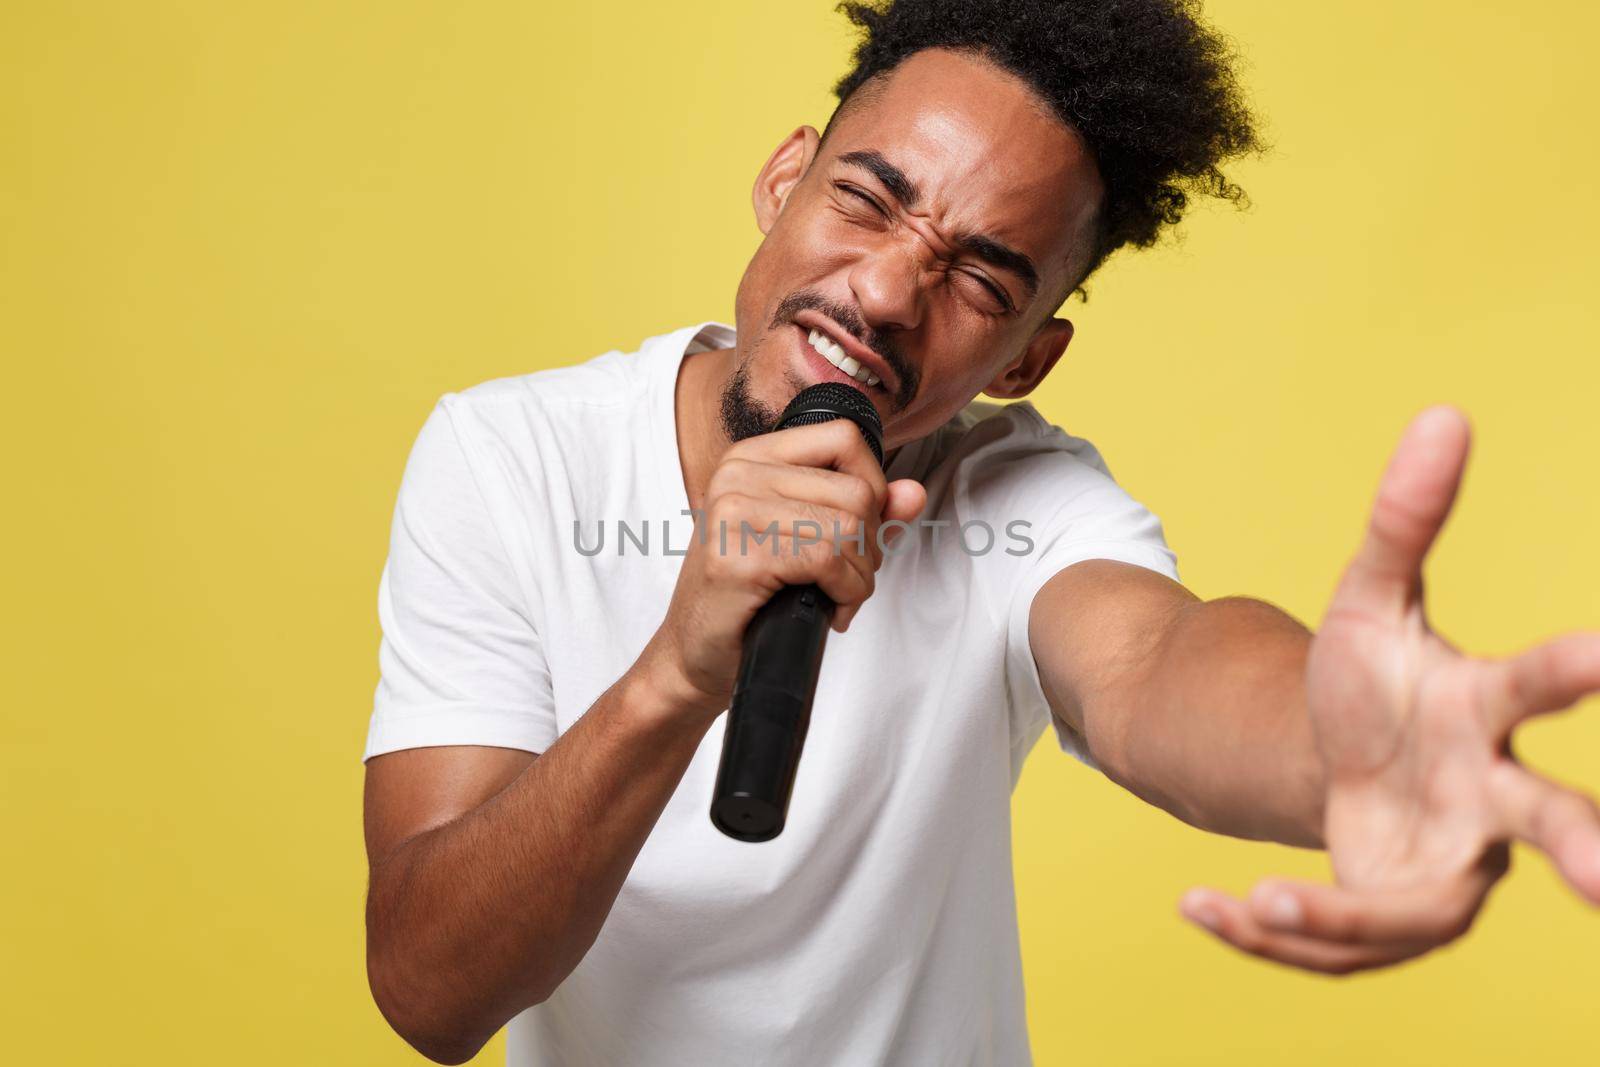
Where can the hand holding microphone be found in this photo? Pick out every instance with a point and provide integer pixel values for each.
(822, 476)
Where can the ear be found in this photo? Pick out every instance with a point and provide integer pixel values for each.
(782, 172)
(1019, 378)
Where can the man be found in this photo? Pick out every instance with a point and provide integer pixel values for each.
(547, 728)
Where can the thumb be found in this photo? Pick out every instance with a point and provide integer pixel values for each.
(1414, 498)
(905, 502)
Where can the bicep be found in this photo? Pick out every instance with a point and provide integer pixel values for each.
(1093, 627)
(415, 790)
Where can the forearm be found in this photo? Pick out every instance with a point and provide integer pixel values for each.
(1214, 727)
(475, 920)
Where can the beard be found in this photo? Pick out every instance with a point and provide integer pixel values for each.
(742, 414)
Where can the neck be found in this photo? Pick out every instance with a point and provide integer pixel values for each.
(697, 402)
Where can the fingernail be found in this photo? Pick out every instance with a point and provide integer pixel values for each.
(1197, 908)
(1283, 910)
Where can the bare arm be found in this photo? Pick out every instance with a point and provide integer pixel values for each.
(492, 870)
(1230, 715)
(1196, 706)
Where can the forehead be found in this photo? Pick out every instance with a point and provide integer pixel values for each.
(984, 151)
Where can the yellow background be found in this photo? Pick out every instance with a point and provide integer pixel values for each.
(244, 246)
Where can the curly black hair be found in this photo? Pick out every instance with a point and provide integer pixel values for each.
(1149, 88)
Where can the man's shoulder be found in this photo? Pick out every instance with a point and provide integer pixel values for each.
(605, 380)
(987, 439)
(606, 390)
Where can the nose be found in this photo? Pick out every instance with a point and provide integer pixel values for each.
(887, 283)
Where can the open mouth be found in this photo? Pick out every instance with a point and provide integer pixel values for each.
(831, 354)
(834, 353)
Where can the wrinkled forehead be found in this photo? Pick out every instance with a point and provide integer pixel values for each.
(985, 154)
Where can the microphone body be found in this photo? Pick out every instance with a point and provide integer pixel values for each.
(771, 706)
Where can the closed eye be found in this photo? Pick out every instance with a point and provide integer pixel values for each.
(995, 290)
(999, 294)
(867, 198)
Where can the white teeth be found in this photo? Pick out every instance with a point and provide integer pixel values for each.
(834, 353)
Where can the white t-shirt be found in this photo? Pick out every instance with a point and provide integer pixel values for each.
(880, 927)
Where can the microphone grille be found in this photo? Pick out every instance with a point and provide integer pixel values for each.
(827, 401)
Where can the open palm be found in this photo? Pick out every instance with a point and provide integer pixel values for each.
(1423, 791)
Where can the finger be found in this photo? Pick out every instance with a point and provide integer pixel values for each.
(836, 444)
(1546, 678)
(905, 501)
(1231, 921)
(1414, 497)
(782, 526)
(814, 485)
(844, 533)
(833, 563)
(762, 536)
(907, 498)
(1562, 823)
(845, 585)
(1424, 914)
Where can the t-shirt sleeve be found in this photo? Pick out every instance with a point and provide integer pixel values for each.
(1082, 514)
(461, 662)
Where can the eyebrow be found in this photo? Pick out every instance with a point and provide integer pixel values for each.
(984, 247)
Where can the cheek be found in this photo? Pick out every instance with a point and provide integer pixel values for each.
(791, 257)
(814, 241)
(950, 380)
(941, 391)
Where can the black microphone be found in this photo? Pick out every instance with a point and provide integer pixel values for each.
(771, 705)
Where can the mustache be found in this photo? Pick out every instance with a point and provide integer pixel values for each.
(848, 318)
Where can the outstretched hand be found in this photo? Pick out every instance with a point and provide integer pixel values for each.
(1423, 790)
